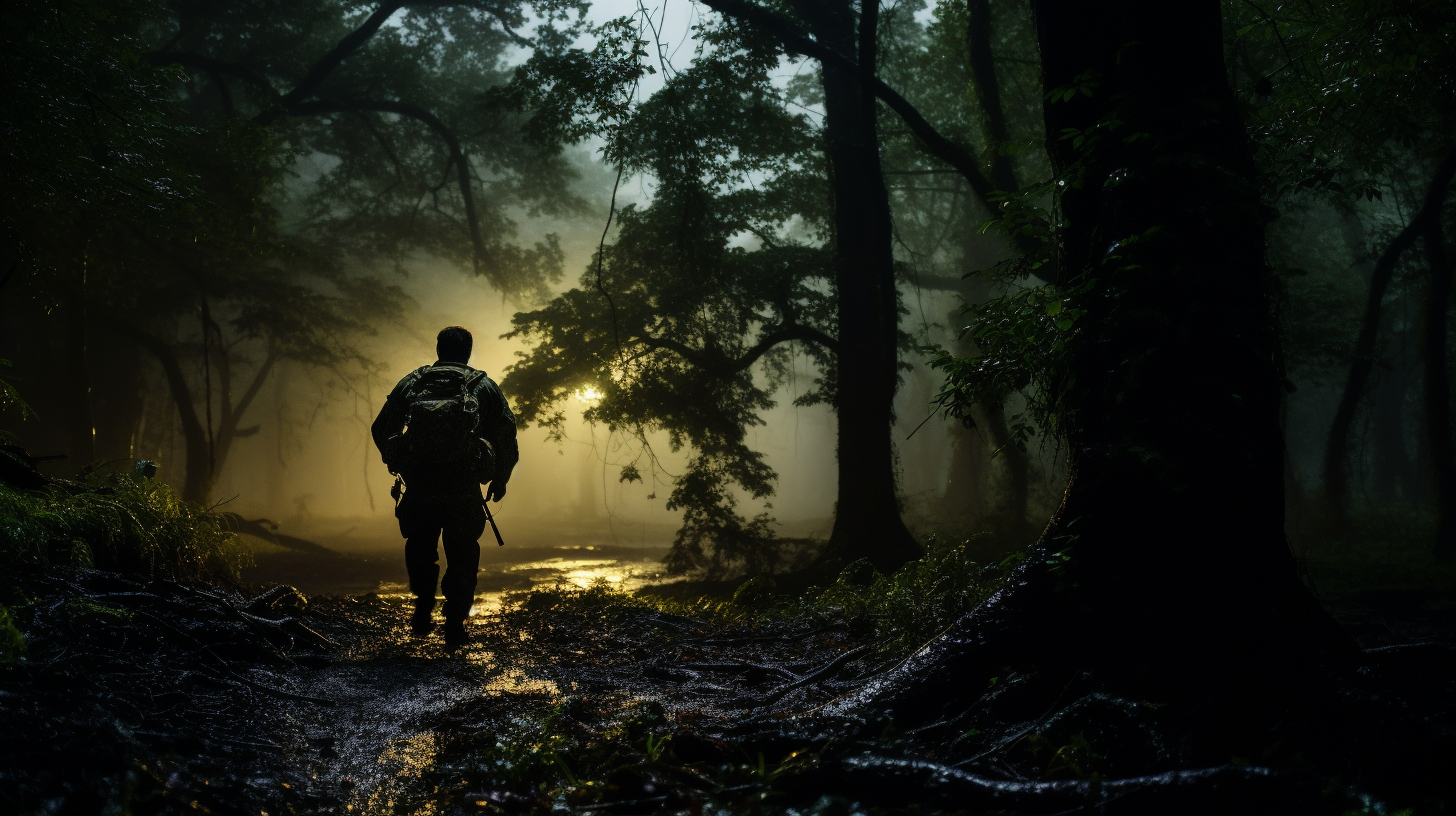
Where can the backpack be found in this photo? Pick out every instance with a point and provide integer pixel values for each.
(441, 423)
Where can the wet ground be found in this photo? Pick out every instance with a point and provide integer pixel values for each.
(378, 567)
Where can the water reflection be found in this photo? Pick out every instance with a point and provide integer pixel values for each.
(496, 581)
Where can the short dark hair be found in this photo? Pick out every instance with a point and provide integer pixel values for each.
(454, 344)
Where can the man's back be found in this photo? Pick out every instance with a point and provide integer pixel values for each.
(429, 432)
(419, 393)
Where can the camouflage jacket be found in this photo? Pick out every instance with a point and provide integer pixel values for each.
(497, 423)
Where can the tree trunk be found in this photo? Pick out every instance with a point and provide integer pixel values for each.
(1166, 565)
(1337, 448)
(197, 486)
(987, 83)
(867, 521)
(1390, 480)
(967, 480)
(116, 392)
(75, 403)
(1010, 518)
(988, 91)
(1438, 389)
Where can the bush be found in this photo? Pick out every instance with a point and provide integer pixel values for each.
(920, 600)
(121, 522)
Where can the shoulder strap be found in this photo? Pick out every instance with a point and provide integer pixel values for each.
(409, 381)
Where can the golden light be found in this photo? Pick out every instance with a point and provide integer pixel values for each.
(588, 394)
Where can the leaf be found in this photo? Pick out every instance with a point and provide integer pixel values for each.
(1054, 308)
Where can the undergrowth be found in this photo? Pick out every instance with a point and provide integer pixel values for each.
(904, 610)
(125, 523)
(608, 751)
(1380, 557)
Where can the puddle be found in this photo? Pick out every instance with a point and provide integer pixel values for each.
(497, 581)
(501, 572)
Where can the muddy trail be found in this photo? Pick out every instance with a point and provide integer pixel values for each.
(143, 697)
(158, 697)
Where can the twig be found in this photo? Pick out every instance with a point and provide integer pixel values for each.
(829, 669)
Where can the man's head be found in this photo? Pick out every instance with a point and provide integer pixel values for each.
(453, 345)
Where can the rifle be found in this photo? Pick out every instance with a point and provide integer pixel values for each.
(484, 502)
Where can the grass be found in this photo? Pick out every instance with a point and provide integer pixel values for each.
(125, 523)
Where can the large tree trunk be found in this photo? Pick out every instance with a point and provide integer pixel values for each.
(1166, 564)
(867, 521)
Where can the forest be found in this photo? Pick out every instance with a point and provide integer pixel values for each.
(924, 406)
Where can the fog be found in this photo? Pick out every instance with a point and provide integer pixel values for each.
(314, 469)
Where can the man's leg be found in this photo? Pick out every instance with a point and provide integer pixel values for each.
(421, 525)
(462, 530)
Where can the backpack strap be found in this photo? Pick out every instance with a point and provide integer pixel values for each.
(408, 383)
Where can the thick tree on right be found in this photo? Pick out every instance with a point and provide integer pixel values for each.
(1160, 623)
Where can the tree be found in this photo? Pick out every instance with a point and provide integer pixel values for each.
(1165, 571)
(1349, 99)
(676, 326)
(233, 257)
(865, 333)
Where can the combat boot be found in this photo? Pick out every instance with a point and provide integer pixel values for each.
(455, 636)
(422, 621)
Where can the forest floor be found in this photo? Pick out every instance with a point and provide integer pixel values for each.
(155, 697)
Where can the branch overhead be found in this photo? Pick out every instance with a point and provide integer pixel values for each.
(795, 42)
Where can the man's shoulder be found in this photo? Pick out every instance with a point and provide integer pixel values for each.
(409, 379)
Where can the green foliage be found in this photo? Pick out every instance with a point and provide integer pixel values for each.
(919, 601)
(134, 526)
(10, 396)
(1022, 341)
(12, 643)
(905, 610)
(681, 325)
(1340, 93)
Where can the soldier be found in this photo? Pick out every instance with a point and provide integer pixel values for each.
(445, 430)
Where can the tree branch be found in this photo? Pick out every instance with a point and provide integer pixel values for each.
(418, 113)
(214, 67)
(732, 365)
(325, 66)
(936, 144)
(253, 388)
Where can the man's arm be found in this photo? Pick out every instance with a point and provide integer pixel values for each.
(392, 416)
(501, 433)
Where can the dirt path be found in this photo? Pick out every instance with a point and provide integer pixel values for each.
(404, 709)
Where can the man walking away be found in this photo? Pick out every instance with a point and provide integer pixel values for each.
(445, 430)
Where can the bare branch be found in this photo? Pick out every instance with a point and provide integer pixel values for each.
(325, 66)
(715, 361)
(418, 113)
(935, 143)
